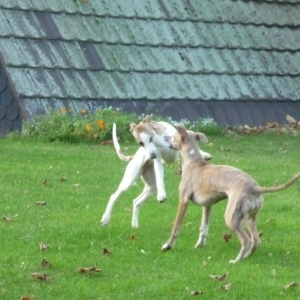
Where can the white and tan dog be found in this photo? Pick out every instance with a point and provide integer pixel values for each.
(206, 184)
(147, 163)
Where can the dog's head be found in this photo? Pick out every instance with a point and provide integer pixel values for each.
(183, 137)
(145, 133)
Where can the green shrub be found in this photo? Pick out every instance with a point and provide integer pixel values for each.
(96, 126)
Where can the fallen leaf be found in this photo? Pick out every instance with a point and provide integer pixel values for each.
(63, 178)
(133, 237)
(227, 237)
(219, 277)
(105, 251)
(27, 297)
(40, 276)
(45, 263)
(6, 219)
(107, 142)
(294, 283)
(43, 246)
(40, 202)
(88, 270)
(196, 293)
(227, 286)
(77, 185)
(45, 181)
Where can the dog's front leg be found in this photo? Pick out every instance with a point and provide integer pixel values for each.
(175, 231)
(206, 210)
(159, 177)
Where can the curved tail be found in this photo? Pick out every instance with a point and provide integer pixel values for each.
(117, 145)
(263, 190)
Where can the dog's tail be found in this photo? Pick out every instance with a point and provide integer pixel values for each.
(117, 145)
(263, 190)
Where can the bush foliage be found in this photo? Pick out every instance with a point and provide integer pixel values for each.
(96, 126)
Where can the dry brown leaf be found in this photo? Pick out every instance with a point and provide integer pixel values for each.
(294, 283)
(45, 181)
(227, 286)
(45, 263)
(6, 219)
(107, 142)
(219, 277)
(27, 297)
(76, 185)
(43, 246)
(40, 276)
(226, 237)
(133, 237)
(105, 251)
(88, 270)
(62, 178)
(40, 202)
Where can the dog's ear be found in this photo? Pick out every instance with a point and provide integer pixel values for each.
(132, 126)
(199, 136)
(147, 119)
(181, 130)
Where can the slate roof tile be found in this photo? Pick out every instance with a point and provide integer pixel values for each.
(71, 52)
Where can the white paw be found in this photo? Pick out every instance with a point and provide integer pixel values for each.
(134, 224)
(166, 247)
(105, 220)
(233, 261)
(161, 197)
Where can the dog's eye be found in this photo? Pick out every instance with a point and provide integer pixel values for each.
(141, 143)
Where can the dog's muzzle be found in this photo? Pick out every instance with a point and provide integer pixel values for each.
(153, 155)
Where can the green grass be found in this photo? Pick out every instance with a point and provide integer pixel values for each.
(137, 269)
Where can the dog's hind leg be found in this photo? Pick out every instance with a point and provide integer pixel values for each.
(150, 188)
(255, 241)
(132, 173)
(233, 218)
(206, 211)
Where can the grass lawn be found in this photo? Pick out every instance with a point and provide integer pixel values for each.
(76, 181)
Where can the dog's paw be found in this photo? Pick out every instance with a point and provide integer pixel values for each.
(166, 247)
(233, 261)
(104, 221)
(161, 197)
(200, 245)
(134, 224)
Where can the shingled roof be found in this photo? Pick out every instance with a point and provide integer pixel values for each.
(235, 61)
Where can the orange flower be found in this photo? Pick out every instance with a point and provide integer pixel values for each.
(88, 127)
(101, 124)
(63, 110)
(83, 111)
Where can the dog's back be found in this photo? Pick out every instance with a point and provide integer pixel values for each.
(207, 183)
